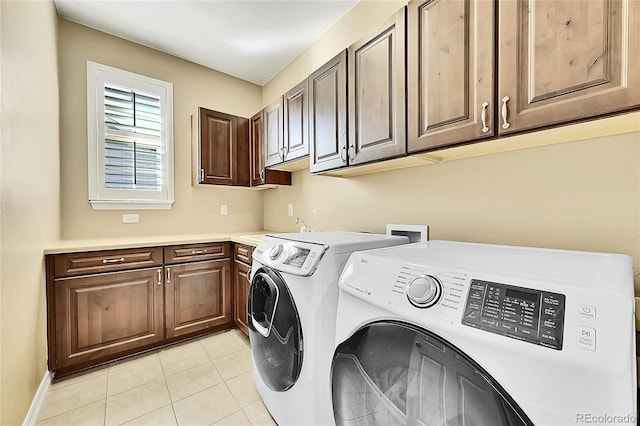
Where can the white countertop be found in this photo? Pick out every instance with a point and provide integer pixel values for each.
(251, 238)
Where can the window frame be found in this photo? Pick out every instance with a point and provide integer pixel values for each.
(101, 197)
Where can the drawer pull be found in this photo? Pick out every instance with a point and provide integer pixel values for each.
(168, 270)
(109, 261)
(159, 276)
(198, 252)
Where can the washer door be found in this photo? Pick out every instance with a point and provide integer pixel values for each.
(274, 330)
(396, 374)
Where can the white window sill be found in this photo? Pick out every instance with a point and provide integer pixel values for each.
(131, 204)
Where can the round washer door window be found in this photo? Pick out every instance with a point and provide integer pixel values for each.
(274, 330)
(396, 374)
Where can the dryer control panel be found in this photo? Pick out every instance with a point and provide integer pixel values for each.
(534, 316)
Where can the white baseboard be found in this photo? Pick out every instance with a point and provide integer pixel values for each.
(38, 400)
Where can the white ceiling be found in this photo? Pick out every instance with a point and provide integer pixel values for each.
(249, 39)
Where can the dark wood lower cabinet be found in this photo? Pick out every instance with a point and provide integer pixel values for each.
(198, 297)
(102, 315)
(99, 317)
(241, 287)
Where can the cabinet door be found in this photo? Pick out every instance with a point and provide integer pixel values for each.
(328, 115)
(296, 122)
(198, 297)
(377, 90)
(273, 133)
(259, 174)
(241, 290)
(257, 149)
(218, 147)
(100, 316)
(566, 60)
(243, 165)
(450, 77)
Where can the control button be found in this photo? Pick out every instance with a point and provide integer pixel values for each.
(473, 305)
(549, 299)
(275, 251)
(548, 310)
(526, 332)
(586, 338)
(424, 291)
(548, 336)
(312, 255)
(549, 323)
(489, 322)
(307, 263)
(471, 315)
(506, 327)
(587, 311)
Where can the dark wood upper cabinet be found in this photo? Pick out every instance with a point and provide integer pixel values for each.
(377, 94)
(296, 122)
(328, 115)
(565, 60)
(260, 175)
(257, 149)
(222, 148)
(274, 132)
(450, 72)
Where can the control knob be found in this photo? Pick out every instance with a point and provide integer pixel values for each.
(424, 291)
(275, 251)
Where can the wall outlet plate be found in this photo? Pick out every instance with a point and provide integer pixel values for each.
(290, 209)
(224, 210)
(130, 218)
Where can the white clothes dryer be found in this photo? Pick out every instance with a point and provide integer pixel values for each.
(446, 333)
(291, 314)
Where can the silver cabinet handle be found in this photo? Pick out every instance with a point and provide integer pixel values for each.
(198, 252)
(351, 158)
(505, 123)
(109, 261)
(262, 175)
(343, 154)
(282, 153)
(249, 275)
(168, 275)
(159, 276)
(483, 117)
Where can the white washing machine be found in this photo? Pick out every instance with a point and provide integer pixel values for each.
(292, 306)
(445, 333)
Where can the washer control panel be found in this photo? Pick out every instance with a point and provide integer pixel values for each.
(534, 316)
(294, 257)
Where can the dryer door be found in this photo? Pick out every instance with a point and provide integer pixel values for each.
(396, 374)
(274, 330)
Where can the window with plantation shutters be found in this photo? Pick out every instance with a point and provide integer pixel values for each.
(130, 140)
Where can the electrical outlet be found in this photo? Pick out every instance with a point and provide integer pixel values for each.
(130, 218)
(290, 209)
(223, 209)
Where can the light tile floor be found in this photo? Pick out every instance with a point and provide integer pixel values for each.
(208, 381)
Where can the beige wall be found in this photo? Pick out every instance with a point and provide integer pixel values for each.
(582, 195)
(196, 209)
(30, 195)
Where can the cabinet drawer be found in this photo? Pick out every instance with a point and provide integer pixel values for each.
(243, 253)
(67, 265)
(196, 252)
